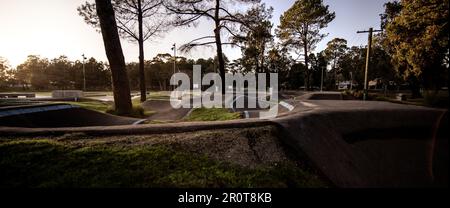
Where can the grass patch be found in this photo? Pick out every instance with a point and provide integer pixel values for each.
(151, 96)
(58, 163)
(159, 97)
(136, 101)
(107, 107)
(92, 105)
(156, 122)
(212, 114)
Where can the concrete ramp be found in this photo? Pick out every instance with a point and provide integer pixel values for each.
(164, 111)
(375, 145)
(58, 115)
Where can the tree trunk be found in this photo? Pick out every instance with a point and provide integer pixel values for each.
(263, 66)
(219, 47)
(305, 45)
(415, 88)
(141, 55)
(113, 48)
(306, 66)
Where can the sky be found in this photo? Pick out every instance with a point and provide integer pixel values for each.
(51, 28)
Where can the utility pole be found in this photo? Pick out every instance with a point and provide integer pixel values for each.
(369, 50)
(84, 73)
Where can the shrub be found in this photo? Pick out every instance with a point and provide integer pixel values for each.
(356, 94)
(433, 98)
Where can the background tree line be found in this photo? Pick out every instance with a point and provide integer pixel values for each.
(42, 74)
(413, 47)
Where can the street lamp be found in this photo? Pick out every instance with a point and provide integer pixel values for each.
(351, 80)
(174, 48)
(84, 73)
(321, 81)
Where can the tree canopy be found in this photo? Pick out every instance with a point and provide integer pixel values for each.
(255, 37)
(334, 52)
(300, 27)
(417, 39)
(225, 15)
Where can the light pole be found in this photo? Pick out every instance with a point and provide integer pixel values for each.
(174, 48)
(351, 80)
(84, 73)
(321, 81)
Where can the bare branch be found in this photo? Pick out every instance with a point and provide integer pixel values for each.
(122, 26)
(188, 47)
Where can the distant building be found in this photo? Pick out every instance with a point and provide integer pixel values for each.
(347, 85)
(375, 84)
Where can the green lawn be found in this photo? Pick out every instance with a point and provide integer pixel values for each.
(159, 95)
(212, 114)
(106, 107)
(93, 105)
(59, 163)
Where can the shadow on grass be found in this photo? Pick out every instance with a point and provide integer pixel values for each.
(50, 163)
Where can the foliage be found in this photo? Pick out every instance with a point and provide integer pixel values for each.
(300, 27)
(350, 64)
(255, 37)
(417, 39)
(225, 15)
(40, 74)
(354, 94)
(434, 98)
(278, 61)
(61, 73)
(126, 15)
(318, 66)
(334, 52)
(4, 73)
(392, 9)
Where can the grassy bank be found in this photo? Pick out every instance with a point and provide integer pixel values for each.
(138, 161)
(93, 105)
